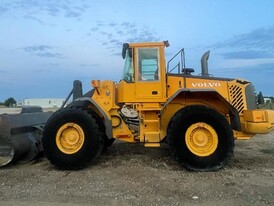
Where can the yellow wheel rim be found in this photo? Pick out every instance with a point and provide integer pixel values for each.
(201, 139)
(70, 138)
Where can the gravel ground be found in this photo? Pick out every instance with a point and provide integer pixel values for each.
(130, 174)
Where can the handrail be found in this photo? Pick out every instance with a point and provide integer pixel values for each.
(176, 66)
(182, 53)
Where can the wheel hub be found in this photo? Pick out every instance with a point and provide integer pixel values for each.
(201, 139)
(70, 138)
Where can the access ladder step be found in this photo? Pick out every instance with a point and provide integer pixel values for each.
(151, 120)
(152, 137)
(157, 144)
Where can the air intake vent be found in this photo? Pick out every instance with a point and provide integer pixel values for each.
(236, 97)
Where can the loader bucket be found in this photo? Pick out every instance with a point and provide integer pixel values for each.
(20, 135)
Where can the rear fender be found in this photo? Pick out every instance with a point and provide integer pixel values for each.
(209, 97)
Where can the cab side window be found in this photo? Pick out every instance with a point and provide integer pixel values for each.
(148, 64)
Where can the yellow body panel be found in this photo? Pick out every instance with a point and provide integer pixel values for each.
(255, 116)
(126, 92)
(105, 94)
(258, 121)
(218, 85)
(144, 91)
(176, 83)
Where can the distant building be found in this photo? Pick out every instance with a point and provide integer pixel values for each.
(44, 102)
(267, 99)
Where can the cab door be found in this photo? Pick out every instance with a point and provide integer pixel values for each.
(148, 75)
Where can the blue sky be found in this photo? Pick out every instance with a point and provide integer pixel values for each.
(46, 44)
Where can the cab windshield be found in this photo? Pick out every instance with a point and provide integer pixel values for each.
(128, 67)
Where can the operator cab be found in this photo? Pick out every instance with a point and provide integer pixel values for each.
(148, 64)
(144, 76)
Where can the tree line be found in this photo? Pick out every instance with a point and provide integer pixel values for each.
(9, 102)
(261, 98)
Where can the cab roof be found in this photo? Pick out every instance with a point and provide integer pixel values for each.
(149, 44)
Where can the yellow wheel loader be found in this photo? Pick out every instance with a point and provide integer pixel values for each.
(199, 116)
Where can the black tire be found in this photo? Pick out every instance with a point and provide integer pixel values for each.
(176, 137)
(108, 142)
(92, 139)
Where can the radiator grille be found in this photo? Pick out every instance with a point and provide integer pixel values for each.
(236, 97)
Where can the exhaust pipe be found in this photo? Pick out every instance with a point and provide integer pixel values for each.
(204, 64)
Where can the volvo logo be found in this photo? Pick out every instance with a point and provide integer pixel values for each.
(206, 84)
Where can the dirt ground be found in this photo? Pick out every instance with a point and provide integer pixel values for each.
(130, 174)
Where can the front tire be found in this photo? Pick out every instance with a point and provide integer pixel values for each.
(200, 138)
(72, 138)
(108, 142)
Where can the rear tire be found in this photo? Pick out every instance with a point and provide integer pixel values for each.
(200, 138)
(72, 138)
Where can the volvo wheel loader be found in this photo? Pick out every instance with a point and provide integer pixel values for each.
(199, 116)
